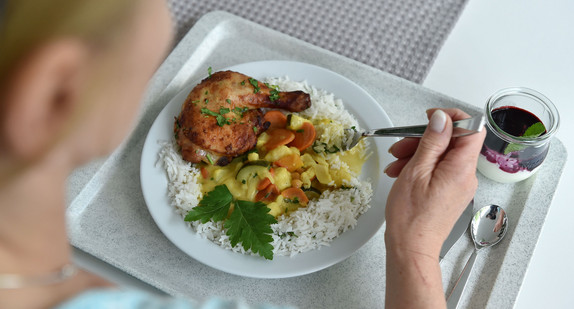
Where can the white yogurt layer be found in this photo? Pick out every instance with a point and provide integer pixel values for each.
(493, 171)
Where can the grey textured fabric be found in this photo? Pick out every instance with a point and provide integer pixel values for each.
(401, 37)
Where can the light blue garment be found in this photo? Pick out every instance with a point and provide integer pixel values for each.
(131, 299)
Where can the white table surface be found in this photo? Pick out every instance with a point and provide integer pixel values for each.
(497, 44)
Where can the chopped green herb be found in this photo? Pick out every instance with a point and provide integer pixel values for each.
(209, 159)
(255, 85)
(240, 110)
(221, 120)
(228, 101)
(533, 131)
(224, 110)
(209, 71)
(242, 83)
(206, 101)
(274, 95)
(255, 129)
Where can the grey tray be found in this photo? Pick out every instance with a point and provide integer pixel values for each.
(109, 219)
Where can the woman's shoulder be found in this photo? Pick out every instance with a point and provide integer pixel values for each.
(126, 299)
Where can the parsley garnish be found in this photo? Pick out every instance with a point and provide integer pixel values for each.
(209, 71)
(274, 95)
(239, 111)
(532, 131)
(248, 224)
(221, 120)
(209, 159)
(255, 85)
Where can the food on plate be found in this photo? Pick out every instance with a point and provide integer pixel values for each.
(222, 116)
(292, 192)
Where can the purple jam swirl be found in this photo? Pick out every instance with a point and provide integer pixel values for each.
(514, 121)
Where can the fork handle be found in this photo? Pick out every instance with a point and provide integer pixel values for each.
(410, 131)
(458, 129)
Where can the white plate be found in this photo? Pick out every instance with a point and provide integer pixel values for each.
(358, 102)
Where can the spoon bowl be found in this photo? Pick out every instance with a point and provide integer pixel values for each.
(487, 228)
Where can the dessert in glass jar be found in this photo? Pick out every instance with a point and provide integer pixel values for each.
(520, 123)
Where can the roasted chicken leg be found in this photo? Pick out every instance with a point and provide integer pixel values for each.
(222, 116)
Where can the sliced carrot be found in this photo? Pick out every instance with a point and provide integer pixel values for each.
(263, 184)
(269, 194)
(291, 162)
(296, 194)
(204, 172)
(276, 118)
(278, 137)
(304, 137)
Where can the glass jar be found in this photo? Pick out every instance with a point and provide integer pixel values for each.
(520, 123)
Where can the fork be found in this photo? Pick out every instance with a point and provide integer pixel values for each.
(460, 128)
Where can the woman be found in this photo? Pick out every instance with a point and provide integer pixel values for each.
(71, 76)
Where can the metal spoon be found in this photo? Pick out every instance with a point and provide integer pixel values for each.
(487, 228)
(460, 128)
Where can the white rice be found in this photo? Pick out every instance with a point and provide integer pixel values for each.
(307, 228)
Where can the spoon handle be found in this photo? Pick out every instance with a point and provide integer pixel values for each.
(458, 289)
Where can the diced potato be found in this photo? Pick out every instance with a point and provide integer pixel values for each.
(282, 178)
(278, 153)
(307, 176)
(254, 156)
(262, 139)
(275, 209)
(295, 122)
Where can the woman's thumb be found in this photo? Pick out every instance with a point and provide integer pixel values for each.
(435, 140)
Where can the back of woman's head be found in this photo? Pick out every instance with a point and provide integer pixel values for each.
(24, 24)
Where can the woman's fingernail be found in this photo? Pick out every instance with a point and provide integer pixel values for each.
(387, 167)
(438, 121)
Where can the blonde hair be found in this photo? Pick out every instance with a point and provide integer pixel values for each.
(25, 24)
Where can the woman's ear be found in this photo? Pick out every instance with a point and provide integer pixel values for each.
(41, 95)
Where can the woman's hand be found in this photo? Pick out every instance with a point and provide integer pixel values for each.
(436, 180)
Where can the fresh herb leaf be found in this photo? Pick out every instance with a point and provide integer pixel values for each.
(255, 129)
(250, 224)
(255, 85)
(240, 110)
(208, 156)
(532, 131)
(274, 95)
(223, 111)
(221, 120)
(228, 101)
(215, 205)
(209, 71)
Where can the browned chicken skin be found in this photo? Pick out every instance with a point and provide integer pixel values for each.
(222, 117)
